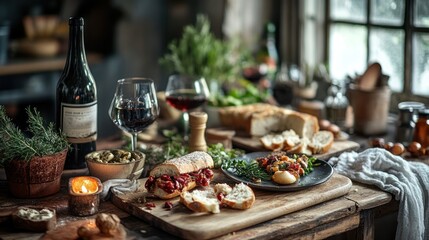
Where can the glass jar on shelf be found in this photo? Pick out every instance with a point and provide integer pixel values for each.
(336, 104)
(407, 118)
(421, 131)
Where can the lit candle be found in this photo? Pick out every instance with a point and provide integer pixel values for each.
(84, 196)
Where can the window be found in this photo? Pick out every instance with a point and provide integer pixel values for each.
(394, 33)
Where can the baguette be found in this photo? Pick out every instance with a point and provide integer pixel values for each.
(169, 179)
(185, 164)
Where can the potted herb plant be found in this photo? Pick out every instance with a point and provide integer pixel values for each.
(199, 53)
(33, 160)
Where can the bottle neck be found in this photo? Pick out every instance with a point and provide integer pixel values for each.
(271, 45)
(76, 57)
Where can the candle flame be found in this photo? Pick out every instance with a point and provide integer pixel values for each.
(84, 185)
(83, 189)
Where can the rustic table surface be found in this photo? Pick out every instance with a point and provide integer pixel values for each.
(353, 213)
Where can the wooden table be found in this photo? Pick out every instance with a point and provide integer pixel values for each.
(353, 213)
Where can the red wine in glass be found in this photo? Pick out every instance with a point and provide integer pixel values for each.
(133, 118)
(185, 100)
(184, 93)
(134, 106)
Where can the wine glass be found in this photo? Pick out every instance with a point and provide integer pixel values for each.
(134, 106)
(185, 93)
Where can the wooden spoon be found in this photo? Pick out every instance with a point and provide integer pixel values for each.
(369, 79)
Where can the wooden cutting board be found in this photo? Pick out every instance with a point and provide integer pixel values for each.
(182, 222)
(254, 145)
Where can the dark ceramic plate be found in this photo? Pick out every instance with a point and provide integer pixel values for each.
(320, 174)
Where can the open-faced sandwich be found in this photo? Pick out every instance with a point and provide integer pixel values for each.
(169, 179)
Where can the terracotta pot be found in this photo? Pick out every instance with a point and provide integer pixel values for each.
(37, 177)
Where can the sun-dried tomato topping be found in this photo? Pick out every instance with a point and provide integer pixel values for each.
(171, 183)
(149, 184)
(150, 205)
(168, 205)
(220, 197)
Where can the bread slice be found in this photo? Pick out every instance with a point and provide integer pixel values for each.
(290, 139)
(185, 164)
(35, 219)
(223, 188)
(302, 147)
(241, 197)
(321, 142)
(201, 200)
(273, 142)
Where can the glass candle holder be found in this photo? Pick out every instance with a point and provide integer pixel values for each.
(84, 195)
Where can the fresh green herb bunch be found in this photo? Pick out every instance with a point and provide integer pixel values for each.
(245, 93)
(249, 170)
(221, 155)
(43, 138)
(176, 148)
(199, 53)
(311, 164)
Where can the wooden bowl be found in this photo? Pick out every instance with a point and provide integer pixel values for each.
(106, 171)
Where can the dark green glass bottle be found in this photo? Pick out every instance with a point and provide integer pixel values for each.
(76, 99)
(268, 54)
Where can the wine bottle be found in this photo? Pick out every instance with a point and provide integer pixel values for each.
(268, 55)
(76, 99)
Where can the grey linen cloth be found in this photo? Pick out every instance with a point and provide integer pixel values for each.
(118, 186)
(407, 181)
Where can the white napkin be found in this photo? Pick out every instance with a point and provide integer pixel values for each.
(118, 186)
(407, 181)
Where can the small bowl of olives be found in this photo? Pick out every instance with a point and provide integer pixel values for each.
(115, 164)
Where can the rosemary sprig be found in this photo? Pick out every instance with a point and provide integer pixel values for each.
(175, 147)
(249, 170)
(41, 140)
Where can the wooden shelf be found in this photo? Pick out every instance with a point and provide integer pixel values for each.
(36, 65)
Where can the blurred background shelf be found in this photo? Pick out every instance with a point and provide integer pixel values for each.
(36, 65)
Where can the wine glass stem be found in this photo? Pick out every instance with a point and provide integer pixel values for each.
(185, 125)
(133, 141)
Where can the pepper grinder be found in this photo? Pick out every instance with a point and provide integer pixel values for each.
(197, 122)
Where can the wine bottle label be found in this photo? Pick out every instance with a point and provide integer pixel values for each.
(79, 122)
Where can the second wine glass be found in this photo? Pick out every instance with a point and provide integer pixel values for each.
(185, 93)
(134, 106)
